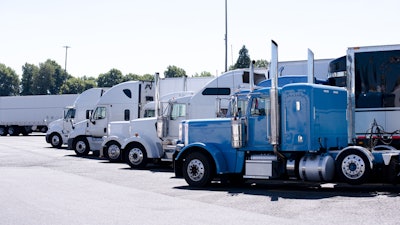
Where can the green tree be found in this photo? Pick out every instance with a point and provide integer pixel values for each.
(261, 63)
(73, 86)
(9, 82)
(203, 74)
(147, 77)
(131, 76)
(244, 59)
(174, 71)
(90, 82)
(49, 79)
(28, 72)
(110, 78)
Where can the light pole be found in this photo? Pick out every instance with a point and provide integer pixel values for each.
(66, 53)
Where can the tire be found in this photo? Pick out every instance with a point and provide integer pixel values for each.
(197, 170)
(3, 131)
(113, 151)
(81, 147)
(136, 157)
(55, 140)
(353, 167)
(13, 131)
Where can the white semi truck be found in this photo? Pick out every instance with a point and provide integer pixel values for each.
(122, 102)
(58, 130)
(154, 139)
(25, 114)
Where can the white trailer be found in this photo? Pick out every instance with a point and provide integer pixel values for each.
(58, 131)
(144, 144)
(372, 73)
(122, 102)
(25, 114)
(299, 67)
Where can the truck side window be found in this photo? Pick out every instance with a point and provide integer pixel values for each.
(178, 110)
(258, 107)
(100, 113)
(126, 115)
(88, 113)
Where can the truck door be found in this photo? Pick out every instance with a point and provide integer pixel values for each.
(68, 120)
(257, 122)
(98, 122)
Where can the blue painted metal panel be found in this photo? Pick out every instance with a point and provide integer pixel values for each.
(313, 117)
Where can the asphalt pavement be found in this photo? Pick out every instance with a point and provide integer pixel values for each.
(43, 185)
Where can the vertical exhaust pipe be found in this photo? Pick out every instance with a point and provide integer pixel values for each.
(157, 94)
(184, 83)
(251, 76)
(275, 120)
(310, 69)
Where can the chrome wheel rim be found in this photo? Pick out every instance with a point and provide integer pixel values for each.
(80, 146)
(135, 156)
(55, 140)
(353, 167)
(113, 151)
(195, 170)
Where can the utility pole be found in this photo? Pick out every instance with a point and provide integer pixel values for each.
(66, 54)
(226, 36)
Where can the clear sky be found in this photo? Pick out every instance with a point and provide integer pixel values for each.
(149, 35)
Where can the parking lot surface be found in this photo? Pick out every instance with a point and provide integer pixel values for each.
(43, 185)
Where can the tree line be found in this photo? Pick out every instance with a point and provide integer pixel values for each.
(50, 78)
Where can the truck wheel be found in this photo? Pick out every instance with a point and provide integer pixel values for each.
(136, 157)
(55, 140)
(81, 147)
(353, 167)
(197, 170)
(3, 131)
(113, 151)
(13, 131)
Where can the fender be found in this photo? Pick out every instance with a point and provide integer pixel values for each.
(153, 146)
(111, 138)
(216, 154)
(55, 126)
(363, 150)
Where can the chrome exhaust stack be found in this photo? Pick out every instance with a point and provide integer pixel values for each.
(310, 67)
(275, 118)
(157, 94)
(251, 76)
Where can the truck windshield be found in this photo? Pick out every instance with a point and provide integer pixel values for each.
(70, 114)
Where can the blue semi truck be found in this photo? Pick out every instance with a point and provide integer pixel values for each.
(300, 131)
